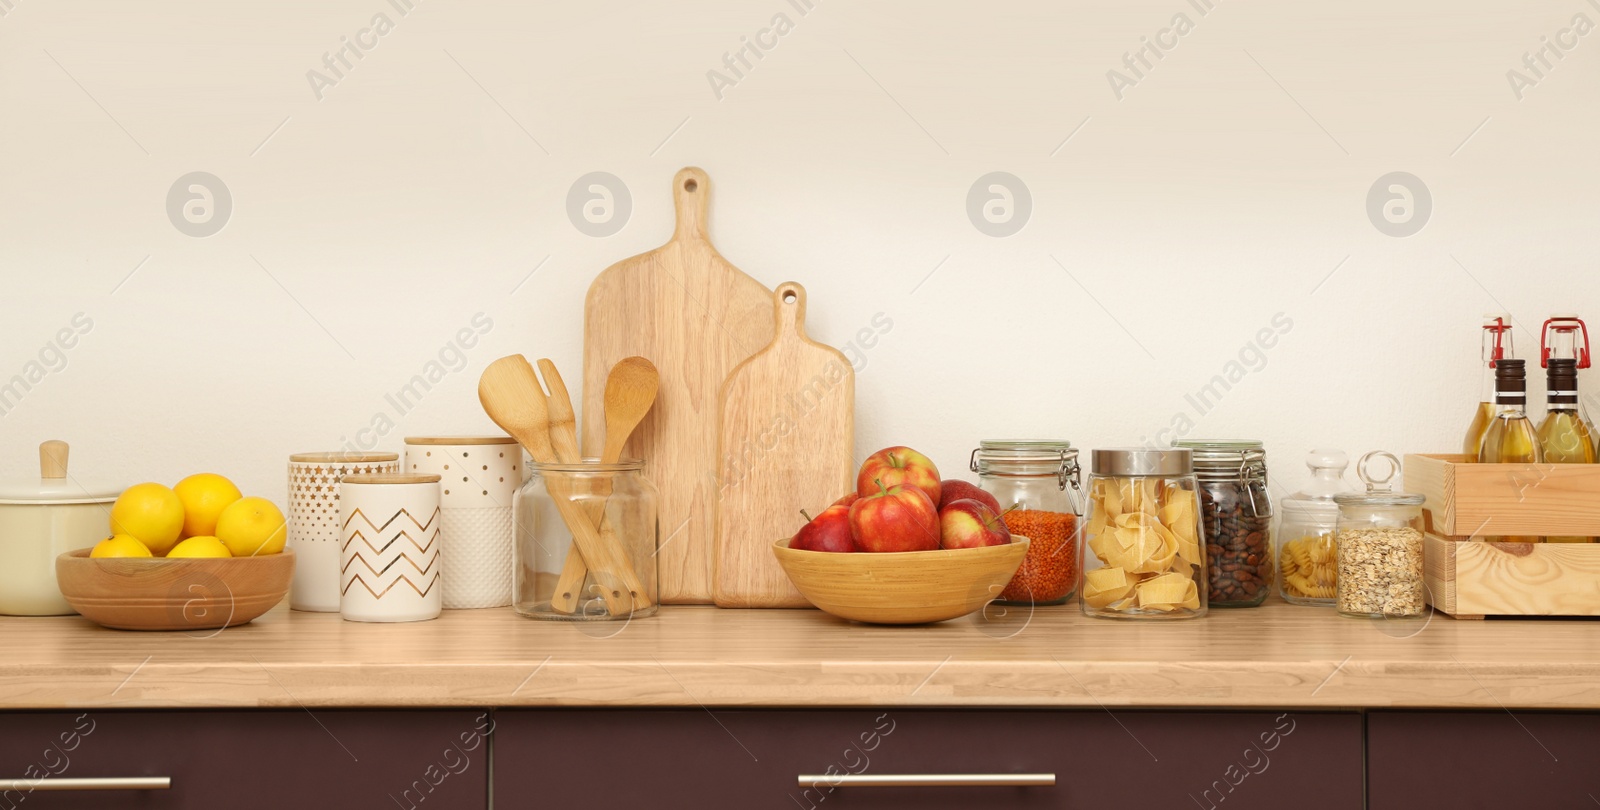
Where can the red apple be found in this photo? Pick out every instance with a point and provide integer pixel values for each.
(968, 523)
(952, 490)
(847, 499)
(896, 466)
(898, 518)
(828, 531)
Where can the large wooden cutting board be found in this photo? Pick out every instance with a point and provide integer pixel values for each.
(696, 317)
(788, 443)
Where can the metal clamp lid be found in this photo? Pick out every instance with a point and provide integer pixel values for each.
(1243, 461)
(1067, 469)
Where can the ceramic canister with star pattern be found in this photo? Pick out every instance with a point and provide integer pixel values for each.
(314, 530)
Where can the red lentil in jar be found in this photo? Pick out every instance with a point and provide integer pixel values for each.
(1036, 484)
(1050, 570)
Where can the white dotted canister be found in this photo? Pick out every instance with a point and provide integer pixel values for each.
(314, 521)
(478, 479)
(390, 558)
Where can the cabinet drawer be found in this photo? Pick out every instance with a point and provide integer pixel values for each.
(1482, 759)
(668, 759)
(249, 759)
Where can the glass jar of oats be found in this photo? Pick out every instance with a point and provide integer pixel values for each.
(1380, 546)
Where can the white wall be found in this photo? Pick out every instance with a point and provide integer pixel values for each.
(1220, 190)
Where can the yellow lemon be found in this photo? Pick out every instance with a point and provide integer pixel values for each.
(204, 496)
(252, 526)
(119, 546)
(149, 513)
(199, 547)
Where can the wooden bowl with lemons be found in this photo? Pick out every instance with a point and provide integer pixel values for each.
(173, 593)
(198, 556)
(909, 587)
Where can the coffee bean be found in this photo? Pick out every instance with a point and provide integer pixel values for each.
(1238, 555)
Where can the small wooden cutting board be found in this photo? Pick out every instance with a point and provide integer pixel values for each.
(695, 316)
(787, 443)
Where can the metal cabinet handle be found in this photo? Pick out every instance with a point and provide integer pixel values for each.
(107, 783)
(929, 780)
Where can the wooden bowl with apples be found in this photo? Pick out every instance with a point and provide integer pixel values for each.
(904, 548)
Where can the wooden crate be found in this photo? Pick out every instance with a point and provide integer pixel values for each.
(1467, 499)
(1470, 580)
(1473, 579)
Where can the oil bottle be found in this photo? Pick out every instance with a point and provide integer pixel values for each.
(1511, 438)
(1565, 436)
(1497, 346)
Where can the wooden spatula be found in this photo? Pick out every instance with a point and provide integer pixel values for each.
(510, 393)
(630, 391)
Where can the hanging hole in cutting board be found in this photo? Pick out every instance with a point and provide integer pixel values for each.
(789, 297)
(691, 184)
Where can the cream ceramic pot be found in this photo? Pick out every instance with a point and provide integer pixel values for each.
(41, 519)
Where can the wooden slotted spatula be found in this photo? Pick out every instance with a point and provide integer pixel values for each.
(510, 393)
(630, 391)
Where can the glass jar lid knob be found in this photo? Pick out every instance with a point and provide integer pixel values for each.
(1375, 484)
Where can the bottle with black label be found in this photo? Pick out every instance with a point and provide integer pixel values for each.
(1511, 438)
(1564, 438)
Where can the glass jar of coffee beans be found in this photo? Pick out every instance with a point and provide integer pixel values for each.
(1237, 515)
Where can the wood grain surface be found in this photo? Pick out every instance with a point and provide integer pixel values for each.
(1513, 579)
(1278, 655)
(694, 315)
(1468, 499)
(787, 443)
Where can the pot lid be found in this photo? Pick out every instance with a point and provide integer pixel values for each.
(54, 484)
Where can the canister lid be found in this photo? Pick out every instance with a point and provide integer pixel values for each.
(1380, 490)
(390, 478)
(459, 441)
(343, 457)
(1018, 456)
(54, 484)
(1379, 499)
(1232, 451)
(1142, 461)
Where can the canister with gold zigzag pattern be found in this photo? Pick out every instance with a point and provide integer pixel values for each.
(389, 548)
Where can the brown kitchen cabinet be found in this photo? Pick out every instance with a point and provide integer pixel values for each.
(1492, 759)
(244, 760)
(668, 759)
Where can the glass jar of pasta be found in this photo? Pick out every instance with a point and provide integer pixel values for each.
(1237, 513)
(1143, 546)
(1037, 484)
(1308, 565)
(1380, 546)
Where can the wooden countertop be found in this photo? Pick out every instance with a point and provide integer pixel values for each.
(1274, 656)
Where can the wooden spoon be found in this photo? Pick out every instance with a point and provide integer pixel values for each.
(630, 392)
(510, 393)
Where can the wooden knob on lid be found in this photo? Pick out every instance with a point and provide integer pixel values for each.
(53, 459)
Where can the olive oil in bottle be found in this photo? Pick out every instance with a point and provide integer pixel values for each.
(1511, 438)
(1564, 438)
(1496, 346)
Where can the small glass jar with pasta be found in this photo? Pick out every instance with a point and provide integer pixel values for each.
(1307, 553)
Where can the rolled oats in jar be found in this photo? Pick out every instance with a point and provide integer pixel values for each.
(1380, 547)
